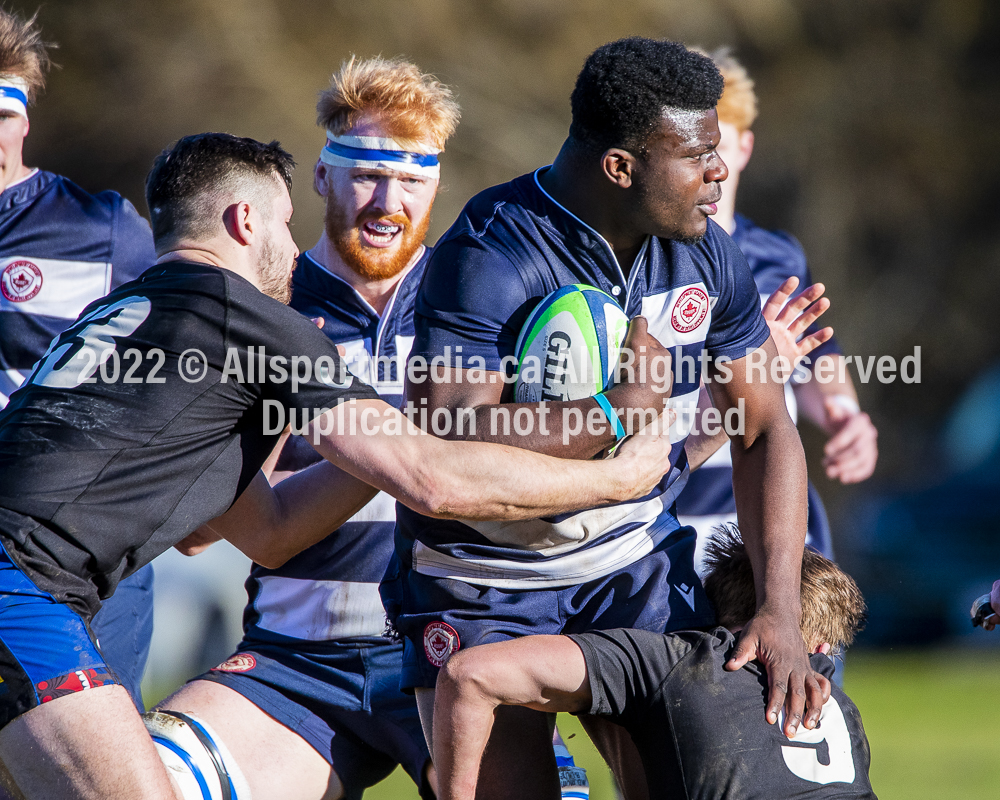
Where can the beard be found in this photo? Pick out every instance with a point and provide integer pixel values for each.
(275, 274)
(375, 263)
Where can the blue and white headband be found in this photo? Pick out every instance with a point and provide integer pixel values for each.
(14, 95)
(376, 152)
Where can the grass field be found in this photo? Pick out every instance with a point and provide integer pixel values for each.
(932, 719)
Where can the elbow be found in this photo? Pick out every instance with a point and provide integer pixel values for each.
(464, 674)
(437, 496)
(269, 553)
(271, 560)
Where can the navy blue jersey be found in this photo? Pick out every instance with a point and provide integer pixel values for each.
(330, 591)
(148, 417)
(61, 248)
(511, 246)
(701, 730)
(708, 499)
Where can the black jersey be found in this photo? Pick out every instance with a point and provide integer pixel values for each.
(701, 730)
(148, 417)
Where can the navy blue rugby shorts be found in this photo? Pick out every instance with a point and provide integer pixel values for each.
(437, 616)
(342, 697)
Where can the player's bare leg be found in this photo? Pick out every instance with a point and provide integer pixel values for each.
(277, 763)
(518, 763)
(616, 746)
(89, 745)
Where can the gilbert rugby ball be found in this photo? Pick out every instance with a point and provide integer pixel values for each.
(569, 346)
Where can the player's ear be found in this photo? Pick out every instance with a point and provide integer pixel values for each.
(823, 649)
(239, 222)
(618, 166)
(319, 178)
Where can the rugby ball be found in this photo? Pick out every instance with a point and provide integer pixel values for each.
(569, 346)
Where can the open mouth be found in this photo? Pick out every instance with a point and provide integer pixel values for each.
(379, 233)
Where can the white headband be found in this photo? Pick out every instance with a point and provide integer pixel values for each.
(376, 152)
(14, 95)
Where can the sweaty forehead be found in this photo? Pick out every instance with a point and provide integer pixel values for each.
(683, 127)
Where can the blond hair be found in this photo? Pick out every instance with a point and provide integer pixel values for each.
(22, 51)
(833, 609)
(738, 104)
(414, 107)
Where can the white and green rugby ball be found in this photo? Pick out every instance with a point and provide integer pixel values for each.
(569, 346)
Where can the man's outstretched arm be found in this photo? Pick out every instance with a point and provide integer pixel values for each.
(769, 482)
(546, 673)
(477, 480)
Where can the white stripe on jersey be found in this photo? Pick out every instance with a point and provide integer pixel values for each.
(319, 610)
(686, 406)
(567, 570)
(67, 287)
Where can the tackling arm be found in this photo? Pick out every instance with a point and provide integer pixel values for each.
(473, 480)
(546, 673)
(272, 524)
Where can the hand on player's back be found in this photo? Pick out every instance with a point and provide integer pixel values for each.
(645, 375)
(776, 641)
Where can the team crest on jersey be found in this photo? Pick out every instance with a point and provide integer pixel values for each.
(690, 310)
(77, 681)
(241, 662)
(440, 641)
(20, 281)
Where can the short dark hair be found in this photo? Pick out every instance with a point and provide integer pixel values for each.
(195, 180)
(833, 609)
(624, 87)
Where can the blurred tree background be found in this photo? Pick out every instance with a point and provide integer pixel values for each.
(877, 146)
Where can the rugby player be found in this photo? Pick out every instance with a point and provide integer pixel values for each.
(60, 249)
(624, 207)
(314, 637)
(315, 682)
(777, 261)
(699, 727)
(151, 416)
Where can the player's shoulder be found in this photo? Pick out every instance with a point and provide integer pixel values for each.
(71, 197)
(496, 222)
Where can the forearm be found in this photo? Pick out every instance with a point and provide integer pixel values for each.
(769, 483)
(463, 720)
(811, 395)
(475, 480)
(563, 429)
(272, 524)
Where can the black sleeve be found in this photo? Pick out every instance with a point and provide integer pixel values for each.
(626, 667)
(303, 370)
